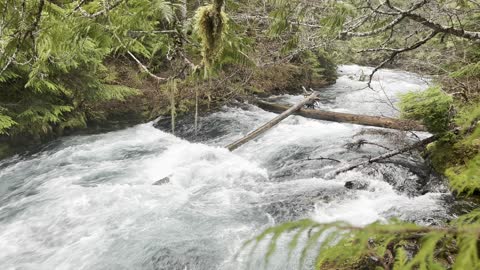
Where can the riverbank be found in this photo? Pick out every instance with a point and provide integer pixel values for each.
(233, 84)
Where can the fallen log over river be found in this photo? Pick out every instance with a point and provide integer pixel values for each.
(366, 120)
(284, 114)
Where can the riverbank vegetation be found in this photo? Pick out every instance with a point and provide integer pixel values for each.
(68, 65)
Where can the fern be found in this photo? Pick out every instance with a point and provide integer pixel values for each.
(114, 92)
(342, 246)
(51, 76)
(6, 122)
(465, 178)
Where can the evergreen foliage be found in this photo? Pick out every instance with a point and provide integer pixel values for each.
(396, 245)
(53, 56)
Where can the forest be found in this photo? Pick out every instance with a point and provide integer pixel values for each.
(101, 98)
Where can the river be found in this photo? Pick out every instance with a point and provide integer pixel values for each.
(87, 201)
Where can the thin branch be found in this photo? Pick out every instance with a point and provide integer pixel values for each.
(471, 35)
(323, 158)
(394, 22)
(398, 51)
(101, 12)
(140, 64)
(390, 154)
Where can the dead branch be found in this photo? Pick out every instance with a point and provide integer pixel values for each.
(323, 158)
(359, 143)
(471, 35)
(395, 52)
(387, 155)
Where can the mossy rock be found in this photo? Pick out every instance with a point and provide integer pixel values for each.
(458, 157)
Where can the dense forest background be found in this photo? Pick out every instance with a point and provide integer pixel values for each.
(70, 65)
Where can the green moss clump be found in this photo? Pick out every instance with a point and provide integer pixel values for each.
(460, 162)
(431, 106)
(210, 26)
(455, 154)
(465, 177)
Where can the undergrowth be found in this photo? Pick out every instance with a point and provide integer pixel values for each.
(396, 245)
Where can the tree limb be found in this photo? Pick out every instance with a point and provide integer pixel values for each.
(398, 51)
(390, 154)
(471, 35)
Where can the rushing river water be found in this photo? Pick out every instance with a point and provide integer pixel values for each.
(87, 202)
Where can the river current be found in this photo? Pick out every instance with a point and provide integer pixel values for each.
(88, 201)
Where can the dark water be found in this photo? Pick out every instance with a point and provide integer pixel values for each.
(87, 202)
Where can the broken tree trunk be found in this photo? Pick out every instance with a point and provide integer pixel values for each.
(390, 154)
(366, 120)
(287, 112)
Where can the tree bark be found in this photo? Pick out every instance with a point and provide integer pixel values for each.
(365, 120)
(287, 112)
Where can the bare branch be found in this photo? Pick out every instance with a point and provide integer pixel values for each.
(397, 20)
(386, 155)
(475, 36)
(472, 35)
(398, 51)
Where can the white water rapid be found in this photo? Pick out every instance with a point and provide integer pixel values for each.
(87, 202)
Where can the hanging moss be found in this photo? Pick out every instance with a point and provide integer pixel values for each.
(172, 86)
(210, 26)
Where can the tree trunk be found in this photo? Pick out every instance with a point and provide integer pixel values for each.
(365, 120)
(287, 112)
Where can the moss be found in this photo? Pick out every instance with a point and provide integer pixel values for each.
(210, 26)
(458, 157)
(468, 115)
(431, 106)
(465, 177)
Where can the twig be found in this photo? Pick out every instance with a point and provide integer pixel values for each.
(323, 158)
(398, 51)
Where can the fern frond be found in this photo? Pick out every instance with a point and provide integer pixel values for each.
(345, 247)
(6, 122)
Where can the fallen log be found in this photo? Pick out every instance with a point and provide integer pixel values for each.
(390, 154)
(365, 120)
(285, 113)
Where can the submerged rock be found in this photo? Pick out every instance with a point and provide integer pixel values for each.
(162, 181)
(356, 184)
